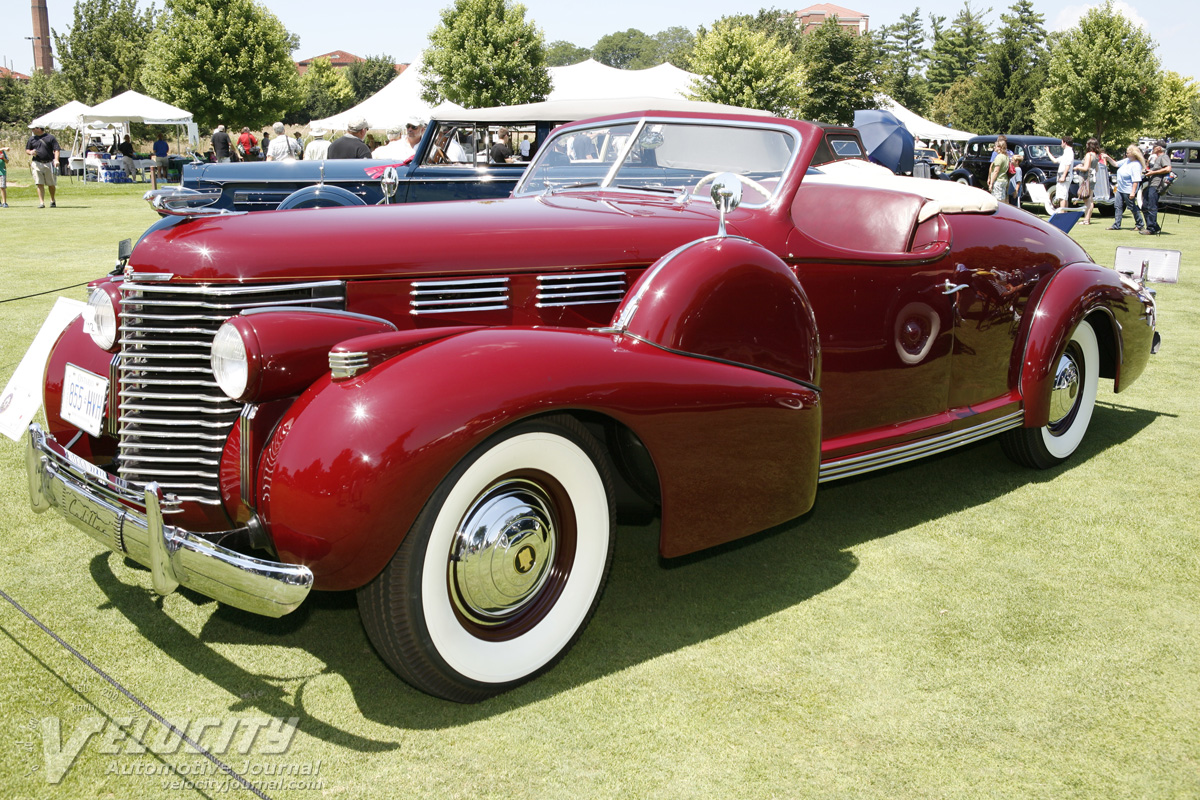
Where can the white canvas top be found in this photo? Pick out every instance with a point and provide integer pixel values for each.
(62, 117)
(133, 106)
(919, 126)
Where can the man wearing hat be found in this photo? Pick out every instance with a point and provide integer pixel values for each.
(43, 152)
(396, 149)
(1157, 170)
(351, 144)
(318, 148)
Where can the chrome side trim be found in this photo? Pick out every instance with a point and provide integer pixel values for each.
(457, 296)
(114, 402)
(347, 365)
(245, 450)
(850, 466)
(176, 557)
(594, 288)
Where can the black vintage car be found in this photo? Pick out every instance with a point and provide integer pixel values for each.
(452, 160)
(1039, 162)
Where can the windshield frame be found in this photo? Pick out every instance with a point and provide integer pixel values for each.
(640, 122)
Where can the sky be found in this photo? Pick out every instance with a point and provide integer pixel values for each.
(401, 29)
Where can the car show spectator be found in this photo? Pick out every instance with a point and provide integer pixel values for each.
(125, 148)
(1157, 172)
(998, 174)
(1087, 185)
(223, 150)
(1066, 163)
(1129, 178)
(162, 159)
(350, 144)
(318, 147)
(282, 147)
(501, 151)
(43, 151)
(299, 144)
(3, 177)
(397, 147)
(247, 144)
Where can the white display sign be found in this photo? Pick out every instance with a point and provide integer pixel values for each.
(83, 399)
(1164, 264)
(22, 396)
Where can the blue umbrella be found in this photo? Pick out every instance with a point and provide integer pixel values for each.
(887, 141)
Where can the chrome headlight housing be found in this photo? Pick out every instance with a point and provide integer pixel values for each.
(100, 318)
(230, 361)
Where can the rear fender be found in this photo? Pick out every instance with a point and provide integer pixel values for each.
(353, 461)
(1122, 316)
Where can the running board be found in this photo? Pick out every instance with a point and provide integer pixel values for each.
(850, 466)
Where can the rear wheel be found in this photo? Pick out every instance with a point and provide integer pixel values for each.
(502, 569)
(1072, 399)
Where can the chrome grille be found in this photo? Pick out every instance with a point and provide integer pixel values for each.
(580, 290)
(452, 297)
(173, 418)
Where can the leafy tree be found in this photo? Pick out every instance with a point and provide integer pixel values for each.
(562, 53)
(838, 75)
(629, 49)
(1103, 79)
(1012, 74)
(675, 46)
(782, 26)
(904, 51)
(484, 53)
(369, 76)
(325, 91)
(223, 60)
(1175, 115)
(957, 50)
(12, 100)
(948, 107)
(42, 93)
(742, 66)
(100, 56)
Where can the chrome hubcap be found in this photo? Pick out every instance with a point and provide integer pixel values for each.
(502, 551)
(1067, 380)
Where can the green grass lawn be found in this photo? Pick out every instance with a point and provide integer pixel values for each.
(957, 628)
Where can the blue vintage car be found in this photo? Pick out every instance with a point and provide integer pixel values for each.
(452, 160)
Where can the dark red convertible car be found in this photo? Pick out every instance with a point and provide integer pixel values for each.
(444, 406)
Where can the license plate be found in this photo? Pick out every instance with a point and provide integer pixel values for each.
(84, 398)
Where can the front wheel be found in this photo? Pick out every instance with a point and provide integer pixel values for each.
(502, 569)
(1072, 399)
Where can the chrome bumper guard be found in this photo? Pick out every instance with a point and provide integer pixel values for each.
(90, 499)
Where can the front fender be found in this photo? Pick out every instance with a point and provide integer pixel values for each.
(353, 461)
(1122, 314)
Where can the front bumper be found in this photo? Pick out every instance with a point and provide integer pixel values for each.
(114, 514)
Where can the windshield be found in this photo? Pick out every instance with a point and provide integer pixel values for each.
(667, 157)
(1051, 151)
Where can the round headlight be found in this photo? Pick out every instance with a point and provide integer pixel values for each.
(230, 365)
(101, 319)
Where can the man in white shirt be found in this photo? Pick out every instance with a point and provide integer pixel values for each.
(1066, 163)
(282, 147)
(397, 148)
(318, 147)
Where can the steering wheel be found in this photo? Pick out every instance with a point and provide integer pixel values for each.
(753, 184)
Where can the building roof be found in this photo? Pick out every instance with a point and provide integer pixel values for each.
(5, 72)
(830, 10)
(339, 58)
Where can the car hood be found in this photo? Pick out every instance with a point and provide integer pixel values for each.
(470, 237)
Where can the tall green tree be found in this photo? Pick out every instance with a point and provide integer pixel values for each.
(957, 50)
(42, 93)
(368, 76)
(741, 66)
(675, 46)
(101, 54)
(905, 56)
(838, 78)
(1012, 74)
(949, 107)
(12, 99)
(562, 53)
(1175, 114)
(628, 49)
(484, 53)
(224, 61)
(780, 25)
(1103, 79)
(325, 91)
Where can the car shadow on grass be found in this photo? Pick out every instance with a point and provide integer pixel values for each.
(651, 607)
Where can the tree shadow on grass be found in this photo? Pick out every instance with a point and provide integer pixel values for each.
(651, 607)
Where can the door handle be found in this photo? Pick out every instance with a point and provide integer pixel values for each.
(953, 288)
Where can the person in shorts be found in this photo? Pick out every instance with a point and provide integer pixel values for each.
(162, 158)
(43, 153)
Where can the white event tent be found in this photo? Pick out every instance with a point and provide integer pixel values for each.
(134, 106)
(919, 126)
(62, 117)
(587, 80)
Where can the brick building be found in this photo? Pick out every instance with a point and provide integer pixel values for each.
(815, 16)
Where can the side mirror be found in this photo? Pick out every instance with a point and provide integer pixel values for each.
(726, 196)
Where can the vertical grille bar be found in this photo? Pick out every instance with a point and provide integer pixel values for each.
(173, 418)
